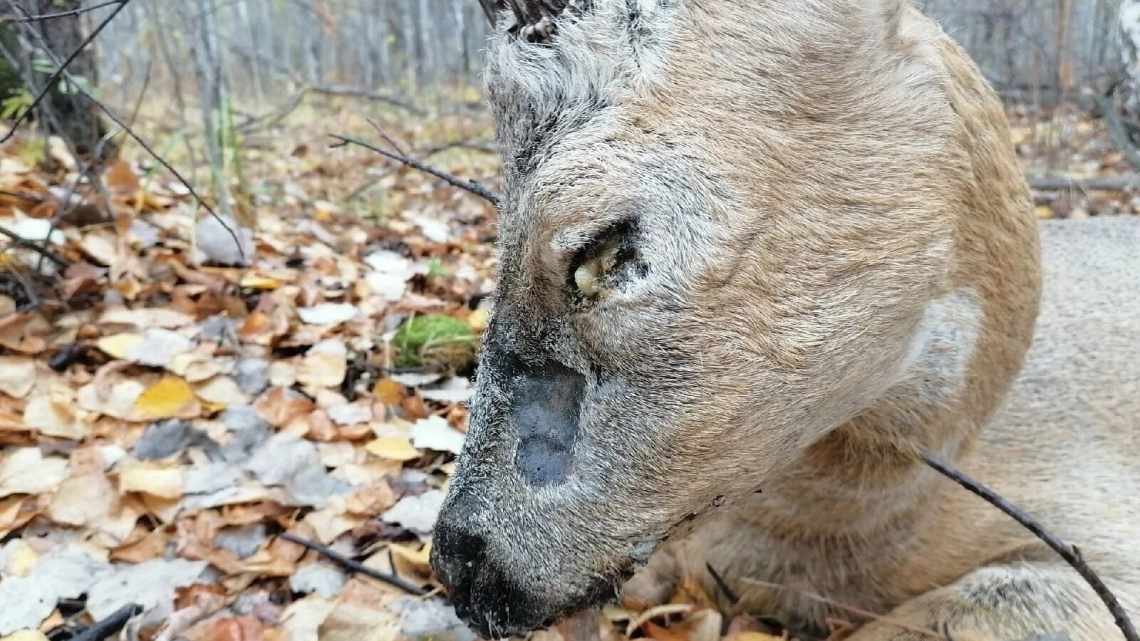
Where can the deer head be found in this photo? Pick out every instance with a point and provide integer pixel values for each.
(723, 227)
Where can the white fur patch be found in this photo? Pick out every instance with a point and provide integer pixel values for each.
(942, 347)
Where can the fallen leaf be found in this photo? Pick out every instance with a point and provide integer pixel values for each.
(155, 347)
(155, 479)
(318, 578)
(26, 635)
(417, 513)
(82, 500)
(303, 618)
(395, 448)
(28, 600)
(150, 584)
(280, 405)
(170, 397)
(324, 365)
(53, 417)
(25, 470)
(222, 391)
(17, 376)
(328, 314)
(434, 433)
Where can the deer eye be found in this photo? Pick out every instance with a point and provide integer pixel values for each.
(590, 277)
(607, 265)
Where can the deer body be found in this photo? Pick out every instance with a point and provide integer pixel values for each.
(1063, 446)
(755, 260)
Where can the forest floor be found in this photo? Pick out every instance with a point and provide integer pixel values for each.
(164, 421)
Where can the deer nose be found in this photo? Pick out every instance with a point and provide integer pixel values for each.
(457, 556)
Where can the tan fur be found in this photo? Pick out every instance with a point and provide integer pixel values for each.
(904, 532)
(841, 270)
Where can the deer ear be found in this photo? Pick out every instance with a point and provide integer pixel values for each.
(535, 20)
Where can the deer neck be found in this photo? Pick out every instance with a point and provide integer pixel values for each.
(973, 336)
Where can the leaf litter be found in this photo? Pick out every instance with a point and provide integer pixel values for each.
(170, 405)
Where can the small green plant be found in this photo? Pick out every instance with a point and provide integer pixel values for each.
(16, 104)
(434, 341)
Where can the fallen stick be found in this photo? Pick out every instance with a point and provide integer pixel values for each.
(354, 566)
(467, 185)
(20, 241)
(1068, 552)
(1105, 183)
(105, 628)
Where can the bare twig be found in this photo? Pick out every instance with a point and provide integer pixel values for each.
(60, 14)
(388, 139)
(349, 92)
(467, 185)
(160, 160)
(104, 628)
(34, 246)
(850, 609)
(354, 566)
(62, 70)
(1068, 552)
(723, 585)
(1103, 183)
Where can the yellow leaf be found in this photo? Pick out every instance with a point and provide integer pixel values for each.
(396, 448)
(119, 346)
(168, 398)
(478, 319)
(1044, 212)
(257, 281)
(389, 392)
(417, 557)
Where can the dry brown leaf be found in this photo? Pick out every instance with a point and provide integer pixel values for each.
(151, 545)
(52, 415)
(17, 376)
(24, 332)
(26, 470)
(121, 178)
(324, 365)
(154, 479)
(82, 500)
(280, 405)
(389, 392)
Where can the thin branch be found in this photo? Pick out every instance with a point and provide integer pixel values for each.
(388, 139)
(104, 628)
(160, 160)
(729, 593)
(62, 70)
(61, 14)
(467, 185)
(34, 246)
(850, 609)
(1068, 552)
(354, 566)
(349, 92)
(1104, 183)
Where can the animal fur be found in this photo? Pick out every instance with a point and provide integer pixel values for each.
(827, 263)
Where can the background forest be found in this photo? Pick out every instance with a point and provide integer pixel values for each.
(245, 253)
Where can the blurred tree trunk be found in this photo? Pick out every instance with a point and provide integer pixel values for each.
(1130, 53)
(1122, 109)
(65, 112)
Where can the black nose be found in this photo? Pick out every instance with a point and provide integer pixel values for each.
(457, 556)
